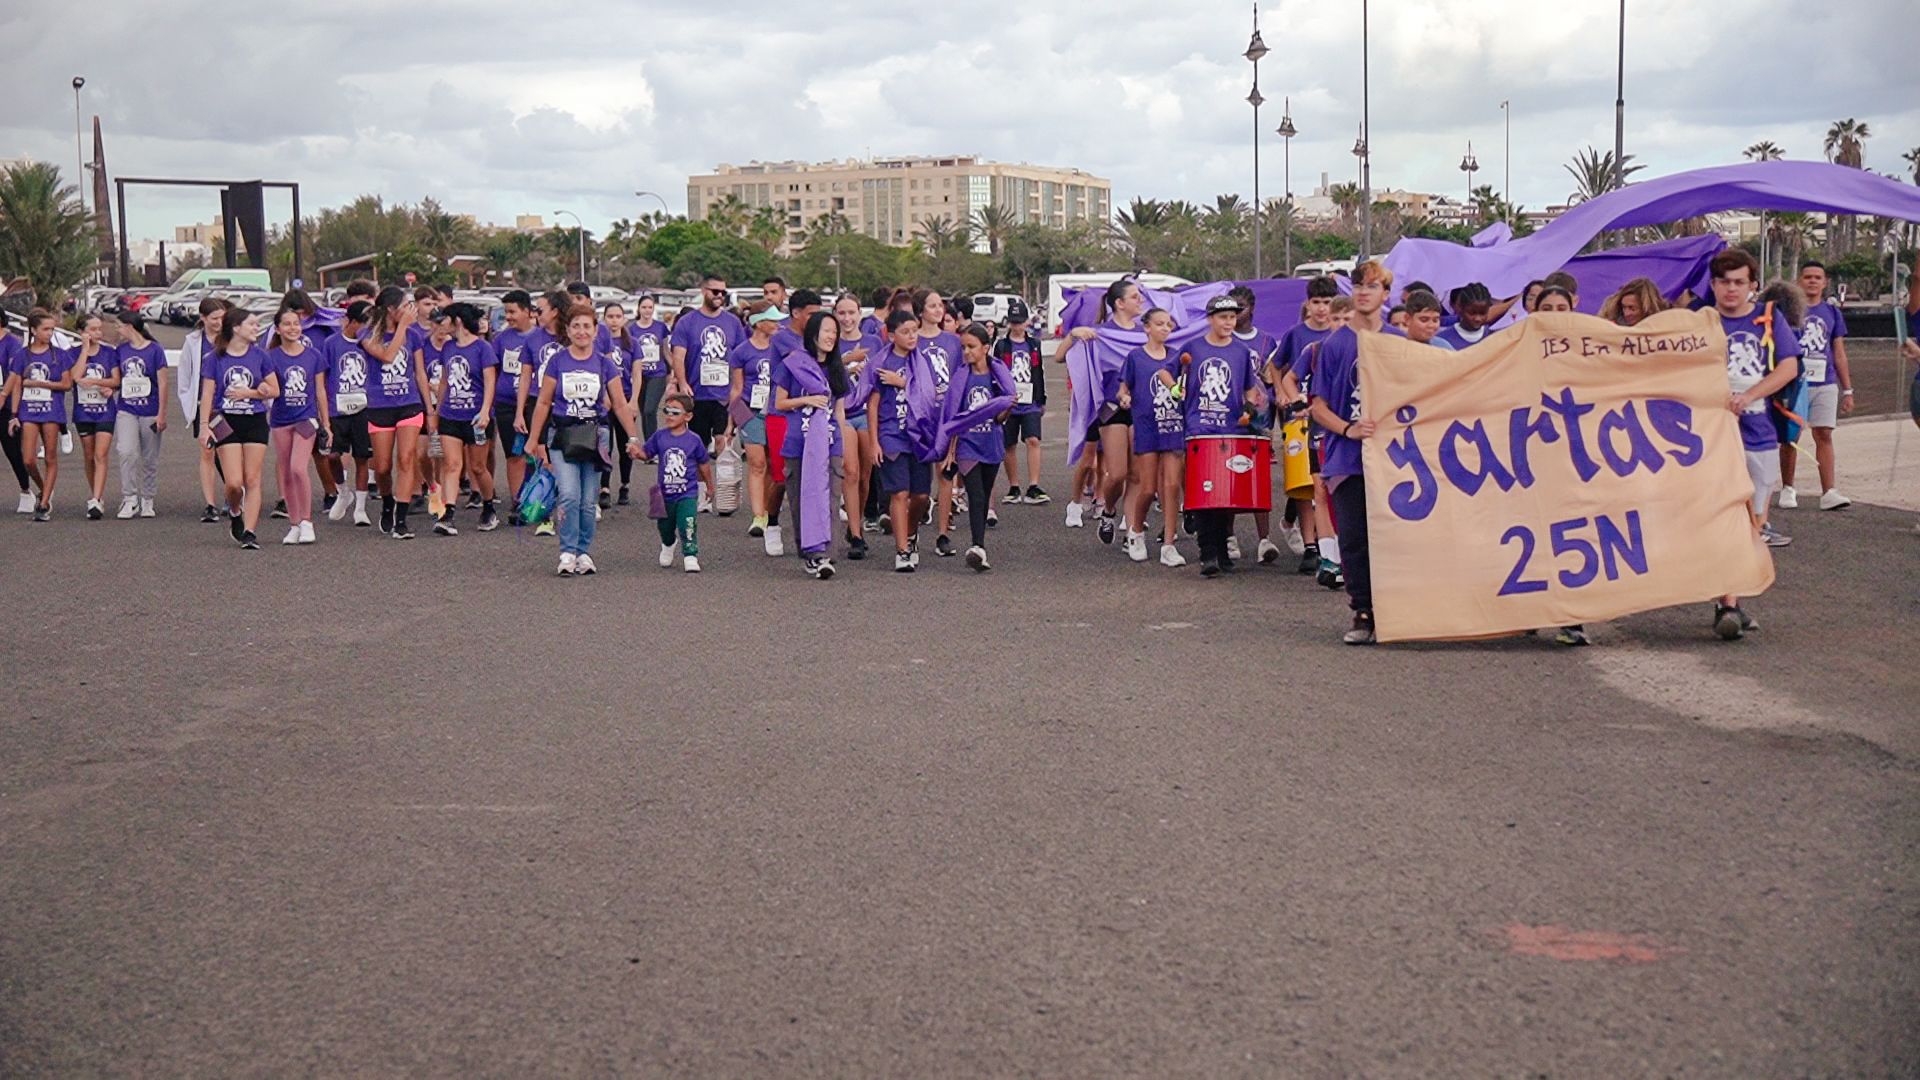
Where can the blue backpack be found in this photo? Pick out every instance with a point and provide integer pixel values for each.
(538, 494)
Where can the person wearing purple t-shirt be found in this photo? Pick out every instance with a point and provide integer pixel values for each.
(37, 393)
(697, 354)
(1823, 353)
(857, 347)
(396, 410)
(906, 482)
(1316, 543)
(297, 418)
(578, 388)
(1267, 377)
(941, 348)
(684, 464)
(512, 346)
(750, 393)
(96, 377)
(9, 437)
(1019, 350)
(466, 389)
(1149, 388)
(347, 401)
(236, 384)
(142, 418)
(1222, 394)
(978, 448)
(647, 376)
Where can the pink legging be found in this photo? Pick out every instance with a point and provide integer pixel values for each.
(291, 453)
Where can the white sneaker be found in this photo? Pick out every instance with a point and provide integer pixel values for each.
(66, 442)
(342, 506)
(1833, 500)
(1233, 547)
(95, 510)
(306, 532)
(1170, 556)
(666, 555)
(1296, 543)
(596, 512)
(1789, 499)
(772, 540)
(129, 506)
(1076, 516)
(1137, 546)
(583, 564)
(567, 562)
(977, 558)
(146, 508)
(26, 503)
(360, 516)
(293, 536)
(692, 563)
(1268, 552)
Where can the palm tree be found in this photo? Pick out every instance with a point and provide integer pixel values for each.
(45, 236)
(1912, 158)
(1594, 174)
(1227, 216)
(825, 226)
(1765, 150)
(937, 233)
(441, 233)
(992, 223)
(729, 216)
(1846, 142)
(1346, 199)
(1145, 214)
(767, 227)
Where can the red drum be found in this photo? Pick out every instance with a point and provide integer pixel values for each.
(1229, 472)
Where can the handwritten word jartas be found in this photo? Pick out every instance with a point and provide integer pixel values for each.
(1646, 434)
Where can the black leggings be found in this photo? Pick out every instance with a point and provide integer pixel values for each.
(652, 389)
(979, 483)
(620, 436)
(1350, 521)
(1212, 527)
(10, 440)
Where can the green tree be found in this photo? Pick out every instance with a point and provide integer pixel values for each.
(1765, 150)
(768, 228)
(507, 253)
(664, 245)
(444, 235)
(732, 257)
(865, 263)
(728, 215)
(992, 224)
(1594, 174)
(45, 235)
(1912, 158)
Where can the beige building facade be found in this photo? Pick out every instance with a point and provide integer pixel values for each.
(888, 198)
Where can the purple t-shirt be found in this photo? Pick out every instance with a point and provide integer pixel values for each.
(1292, 351)
(1336, 381)
(433, 356)
(244, 372)
(1217, 380)
(1825, 324)
(1262, 344)
(39, 405)
(94, 405)
(755, 365)
(1747, 365)
(10, 348)
(346, 375)
(391, 385)
(465, 369)
(582, 384)
(140, 368)
(942, 351)
(510, 349)
(983, 442)
(678, 459)
(799, 419)
(892, 408)
(298, 376)
(648, 356)
(1159, 423)
(1029, 380)
(708, 339)
(1453, 337)
(542, 347)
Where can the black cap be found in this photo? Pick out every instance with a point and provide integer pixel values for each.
(800, 298)
(1016, 312)
(1221, 303)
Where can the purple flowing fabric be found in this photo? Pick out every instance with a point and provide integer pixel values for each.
(923, 407)
(1810, 186)
(1673, 266)
(816, 468)
(953, 421)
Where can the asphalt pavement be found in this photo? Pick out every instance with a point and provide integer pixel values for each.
(383, 808)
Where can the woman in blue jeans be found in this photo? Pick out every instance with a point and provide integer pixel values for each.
(577, 387)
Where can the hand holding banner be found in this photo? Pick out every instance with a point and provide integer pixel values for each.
(1564, 470)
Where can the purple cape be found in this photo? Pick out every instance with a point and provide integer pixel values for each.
(816, 470)
(953, 421)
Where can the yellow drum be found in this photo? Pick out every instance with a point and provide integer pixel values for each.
(1296, 469)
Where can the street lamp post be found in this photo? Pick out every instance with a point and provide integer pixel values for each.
(1366, 202)
(1506, 186)
(582, 229)
(79, 146)
(664, 208)
(1469, 165)
(1364, 148)
(1287, 131)
(1256, 49)
(1620, 107)
(833, 260)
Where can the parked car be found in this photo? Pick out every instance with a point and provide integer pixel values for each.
(992, 307)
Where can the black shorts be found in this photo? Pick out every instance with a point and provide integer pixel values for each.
(904, 472)
(1120, 416)
(390, 418)
(457, 429)
(1022, 426)
(350, 435)
(84, 428)
(709, 419)
(247, 428)
(503, 418)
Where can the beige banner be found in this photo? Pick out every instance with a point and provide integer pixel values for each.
(1564, 470)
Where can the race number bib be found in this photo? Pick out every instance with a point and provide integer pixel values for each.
(758, 399)
(348, 404)
(581, 389)
(37, 394)
(1742, 383)
(510, 362)
(1816, 369)
(1023, 393)
(714, 371)
(135, 387)
(92, 395)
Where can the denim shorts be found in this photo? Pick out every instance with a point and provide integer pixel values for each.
(754, 431)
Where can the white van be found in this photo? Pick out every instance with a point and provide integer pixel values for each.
(1343, 267)
(992, 306)
(1058, 285)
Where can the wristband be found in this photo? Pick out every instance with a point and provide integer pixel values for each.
(1848, 392)
(1344, 430)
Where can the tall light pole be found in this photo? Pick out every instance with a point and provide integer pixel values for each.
(582, 229)
(1287, 131)
(1620, 107)
(1256, 49)
(1506, 186)
(1364, 149)
(79, 146)
(664, 208)
(1469, 165)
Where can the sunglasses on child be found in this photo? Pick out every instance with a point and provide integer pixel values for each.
(673, 412)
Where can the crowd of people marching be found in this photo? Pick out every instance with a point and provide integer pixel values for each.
(880, 424)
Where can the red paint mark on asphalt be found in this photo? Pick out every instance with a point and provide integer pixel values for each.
(1562, 943)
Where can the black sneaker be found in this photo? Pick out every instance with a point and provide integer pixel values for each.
(993, 519)
(1727, 623)
(209, 515)
(417, 504)
(1309, 562)
(235, 525)
(1226, 565)
(606, 499)
(1012, 495)
(856, 547)
(326, 502)
(1209, 568)
(474, 501)
(402, 531)
(1362, 631)
(1572, 636)
(94, 513)
(625, 499)
(1330, 576)
(386, 519)
(43, 513)
(1035, 496)
(1106, 529)
(819, 566)
(279, 509)
(943, 546)
(248, 542)
(513, 519)
(445, 525)
(489, 521)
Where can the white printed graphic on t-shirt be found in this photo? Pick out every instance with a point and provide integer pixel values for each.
(713, 358)
(1746, 365)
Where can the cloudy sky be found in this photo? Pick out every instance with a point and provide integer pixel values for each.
(498, 108)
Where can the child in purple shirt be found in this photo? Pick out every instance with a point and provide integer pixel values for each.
(683, 465)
